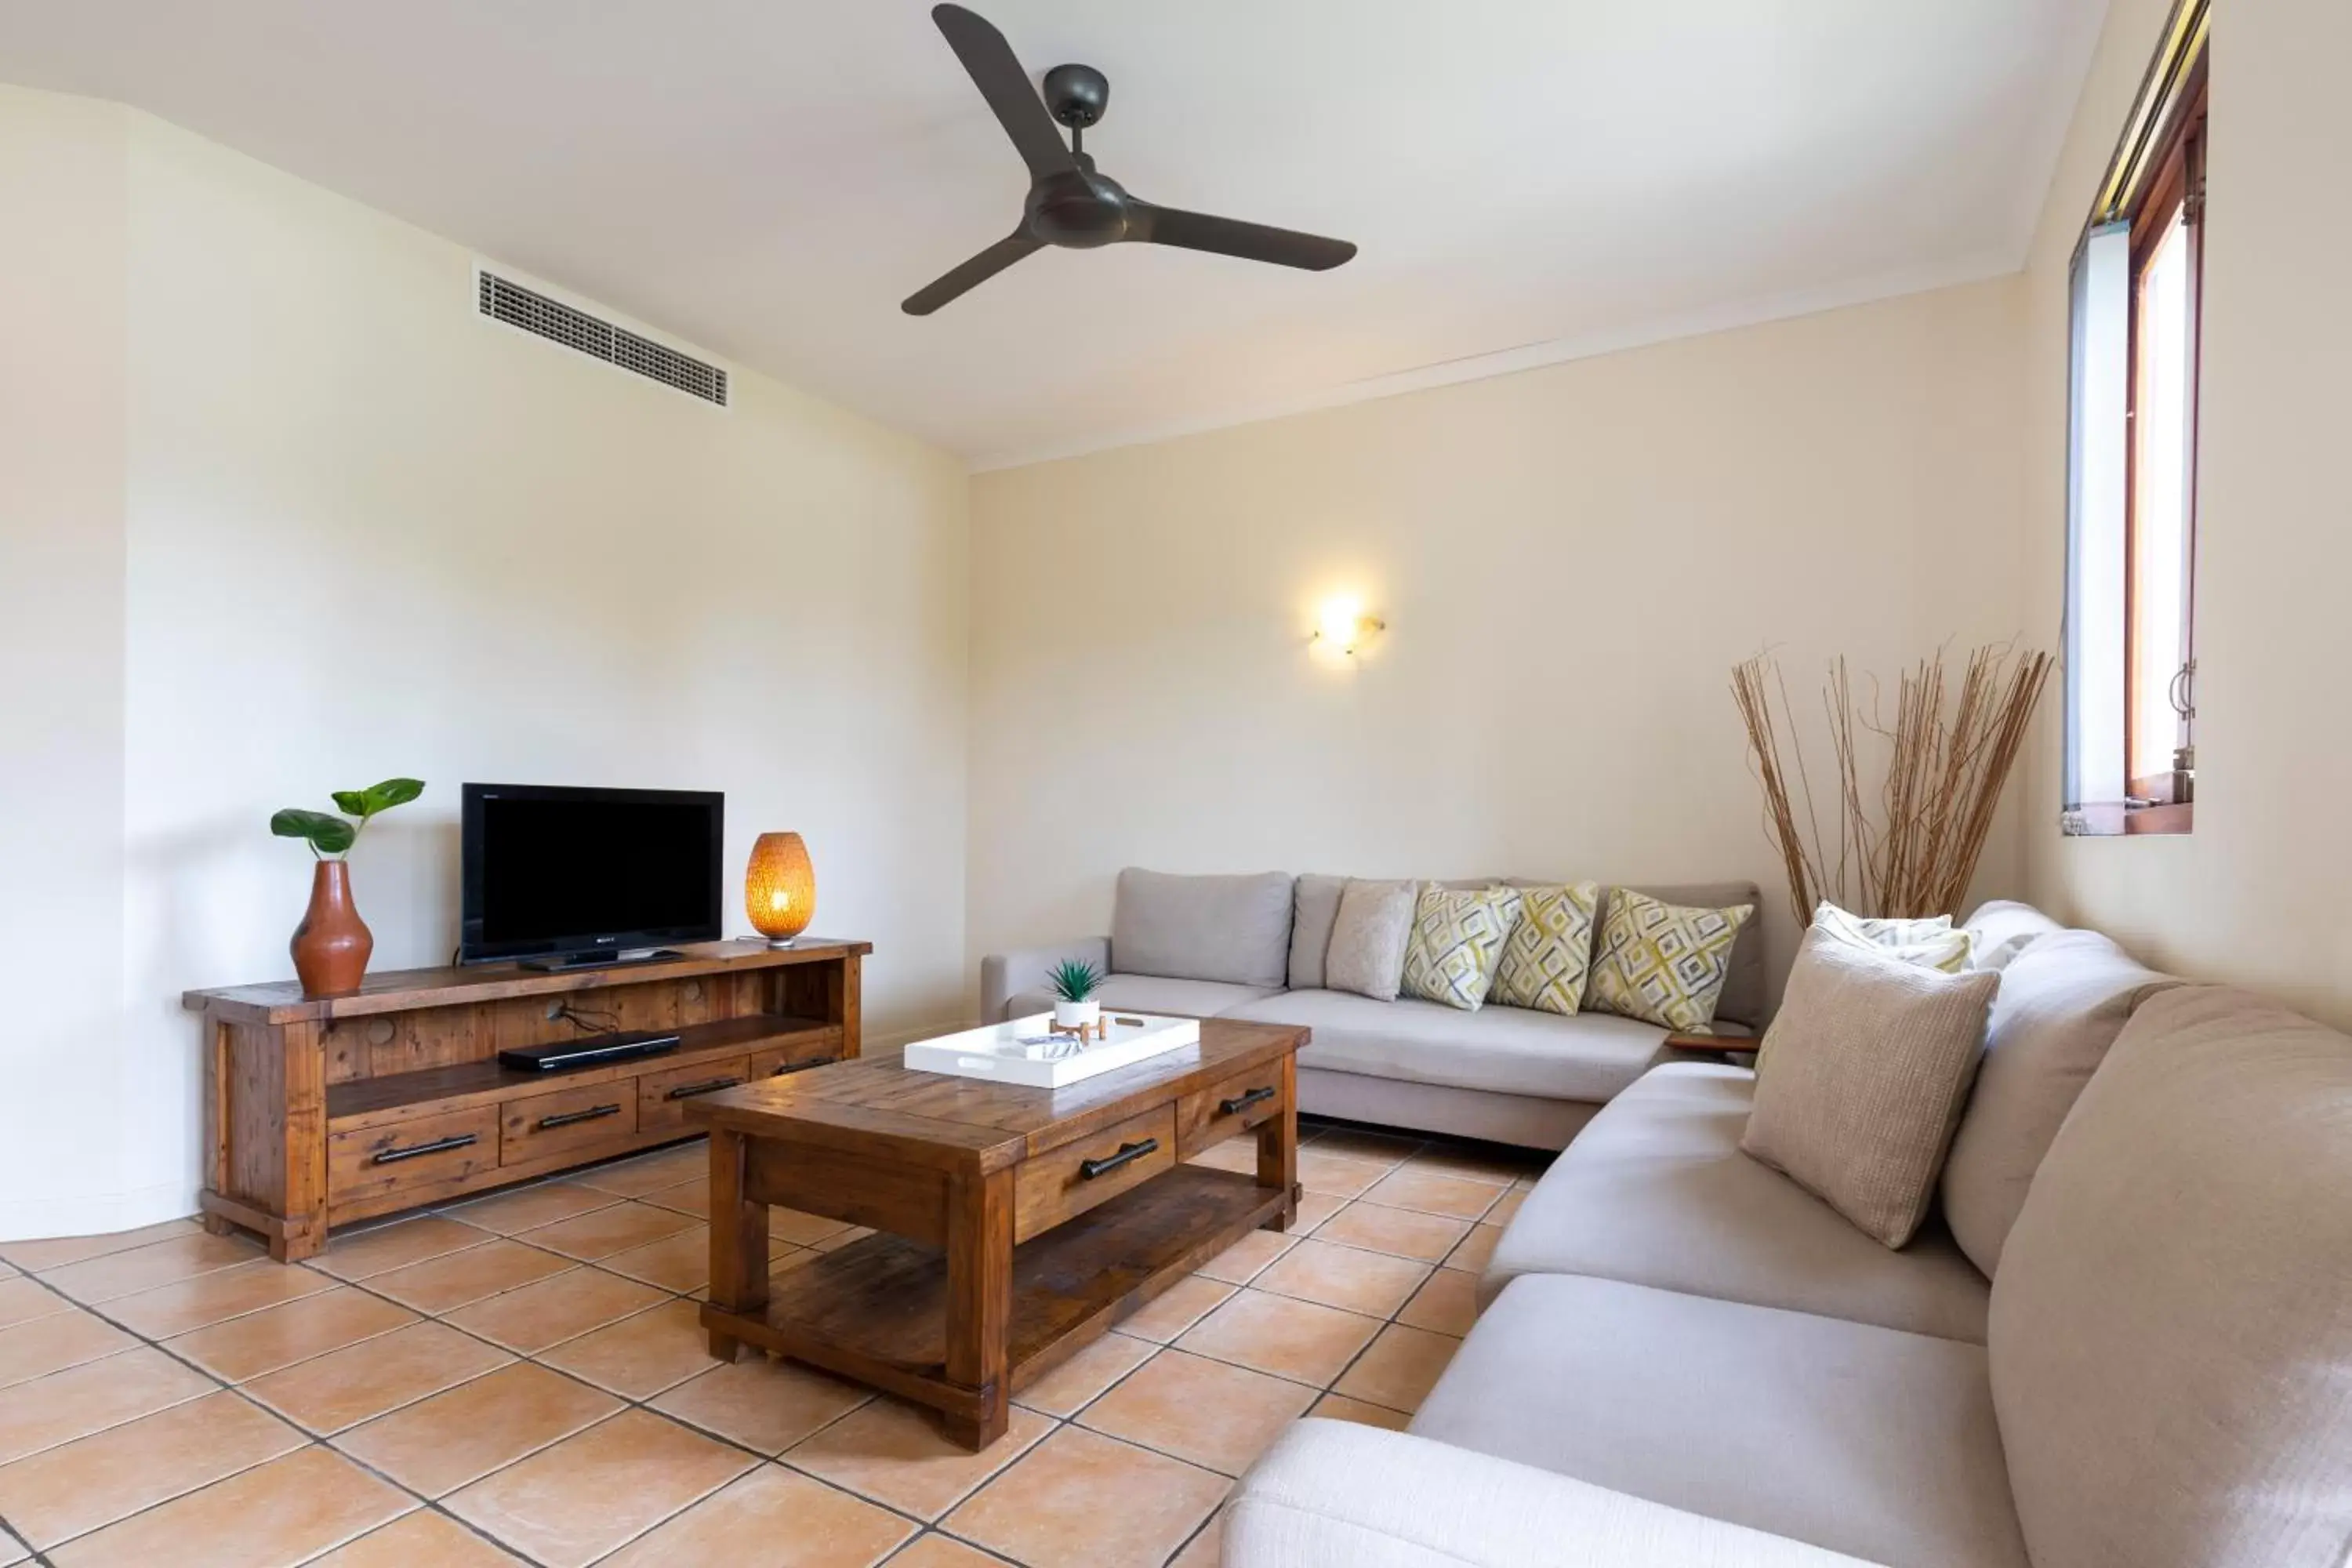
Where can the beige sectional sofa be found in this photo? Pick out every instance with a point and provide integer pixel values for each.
(2126, 1342)
(1252, 947)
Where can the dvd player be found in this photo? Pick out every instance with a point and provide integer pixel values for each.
(588, 1050)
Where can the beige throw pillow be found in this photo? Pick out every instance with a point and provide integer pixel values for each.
(1369, 937)
(1872, 1059)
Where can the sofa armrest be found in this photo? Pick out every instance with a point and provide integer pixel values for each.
(1332, 1494)
(1003, 975)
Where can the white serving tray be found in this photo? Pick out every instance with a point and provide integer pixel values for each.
(1024, 1051)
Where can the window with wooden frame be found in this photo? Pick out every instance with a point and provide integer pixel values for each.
(2131, 559)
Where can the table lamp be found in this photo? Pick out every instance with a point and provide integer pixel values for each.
(779, 887)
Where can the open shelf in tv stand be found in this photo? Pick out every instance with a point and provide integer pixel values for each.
(319, 1111)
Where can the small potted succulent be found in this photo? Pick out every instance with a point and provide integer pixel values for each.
(333, 944)
(1075, 1005)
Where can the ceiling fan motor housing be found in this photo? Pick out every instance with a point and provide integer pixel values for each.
(1077, 94)
(1080, 209)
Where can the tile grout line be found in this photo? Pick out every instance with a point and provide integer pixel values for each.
(314, 1439)
(628, 1402)
(311, 1438)
(923, 1527)
(327, 1440)
(646, 1405)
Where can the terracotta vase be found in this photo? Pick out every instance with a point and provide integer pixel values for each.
(332, 945)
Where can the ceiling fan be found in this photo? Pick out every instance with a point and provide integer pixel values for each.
(1069, 203)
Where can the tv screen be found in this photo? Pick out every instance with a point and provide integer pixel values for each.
(557, 872)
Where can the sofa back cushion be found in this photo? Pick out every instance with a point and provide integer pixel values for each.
(1233, 929)
(1742, 1001)
(2061, 1003)
(2000, 928)
(2170, 1340)
(1314, 906)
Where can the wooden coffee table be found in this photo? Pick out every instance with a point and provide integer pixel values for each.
(1014, 1226)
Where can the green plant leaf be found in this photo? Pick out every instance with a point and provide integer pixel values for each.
(387, 795)
(351, 802)
(327, 834)
(1075, 981)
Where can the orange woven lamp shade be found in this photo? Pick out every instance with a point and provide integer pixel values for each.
(779, 887)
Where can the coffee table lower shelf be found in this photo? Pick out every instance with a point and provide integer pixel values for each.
(877, 1310)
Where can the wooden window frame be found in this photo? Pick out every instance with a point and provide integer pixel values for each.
(2156, 175)
(2176, 186)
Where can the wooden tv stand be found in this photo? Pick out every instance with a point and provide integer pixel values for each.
(323, 1110)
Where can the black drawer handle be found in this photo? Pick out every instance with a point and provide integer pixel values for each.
(565, 1120)
(1241, 1102)
(439, 1145)
(707, 1086)
(1127, 1153)
(803, 1067)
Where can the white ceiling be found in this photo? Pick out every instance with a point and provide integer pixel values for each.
(1527, 179)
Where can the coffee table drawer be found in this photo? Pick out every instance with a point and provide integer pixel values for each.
(568, 1119)
(1211, 1115)
(1073, 1178)
(662, 1096)
(422, 1152)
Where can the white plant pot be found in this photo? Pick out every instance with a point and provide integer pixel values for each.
(1077, 1014)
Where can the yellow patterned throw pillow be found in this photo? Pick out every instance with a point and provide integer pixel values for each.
(1930, 943)
(1548, 953)
(1458, 941)
(1662, 963)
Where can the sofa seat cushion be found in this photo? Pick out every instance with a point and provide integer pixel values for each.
(1857, 1438)
(1655, 1191)
(1339, 1494)
(1507, 1050)
(1148, 993)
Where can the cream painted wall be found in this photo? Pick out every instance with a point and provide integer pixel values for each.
(2256, 895)
(1570, 560)
(357, 530)
(61, 617)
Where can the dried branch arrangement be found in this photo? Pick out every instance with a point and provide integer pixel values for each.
(1949, 750)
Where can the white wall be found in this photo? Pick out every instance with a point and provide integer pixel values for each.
(359, 531)
(1570, 560)
(61, 615)
(2256, 895)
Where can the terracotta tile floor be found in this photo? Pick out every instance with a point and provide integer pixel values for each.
(521, 1379)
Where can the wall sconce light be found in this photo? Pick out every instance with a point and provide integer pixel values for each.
(1341, 626)
(779, 887)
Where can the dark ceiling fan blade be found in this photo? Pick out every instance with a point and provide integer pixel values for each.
(970, 275)
(997, 72)
(1230, 237)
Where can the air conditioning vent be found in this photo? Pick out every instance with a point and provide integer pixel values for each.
(558, 322)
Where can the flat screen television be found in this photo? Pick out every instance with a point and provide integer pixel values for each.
(555, 876)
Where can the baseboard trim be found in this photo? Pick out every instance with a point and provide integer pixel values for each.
(95, 1214)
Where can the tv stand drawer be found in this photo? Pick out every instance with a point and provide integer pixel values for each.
(662, 1096)
(784, 1059)
(367, 1163)
(546, 1124)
